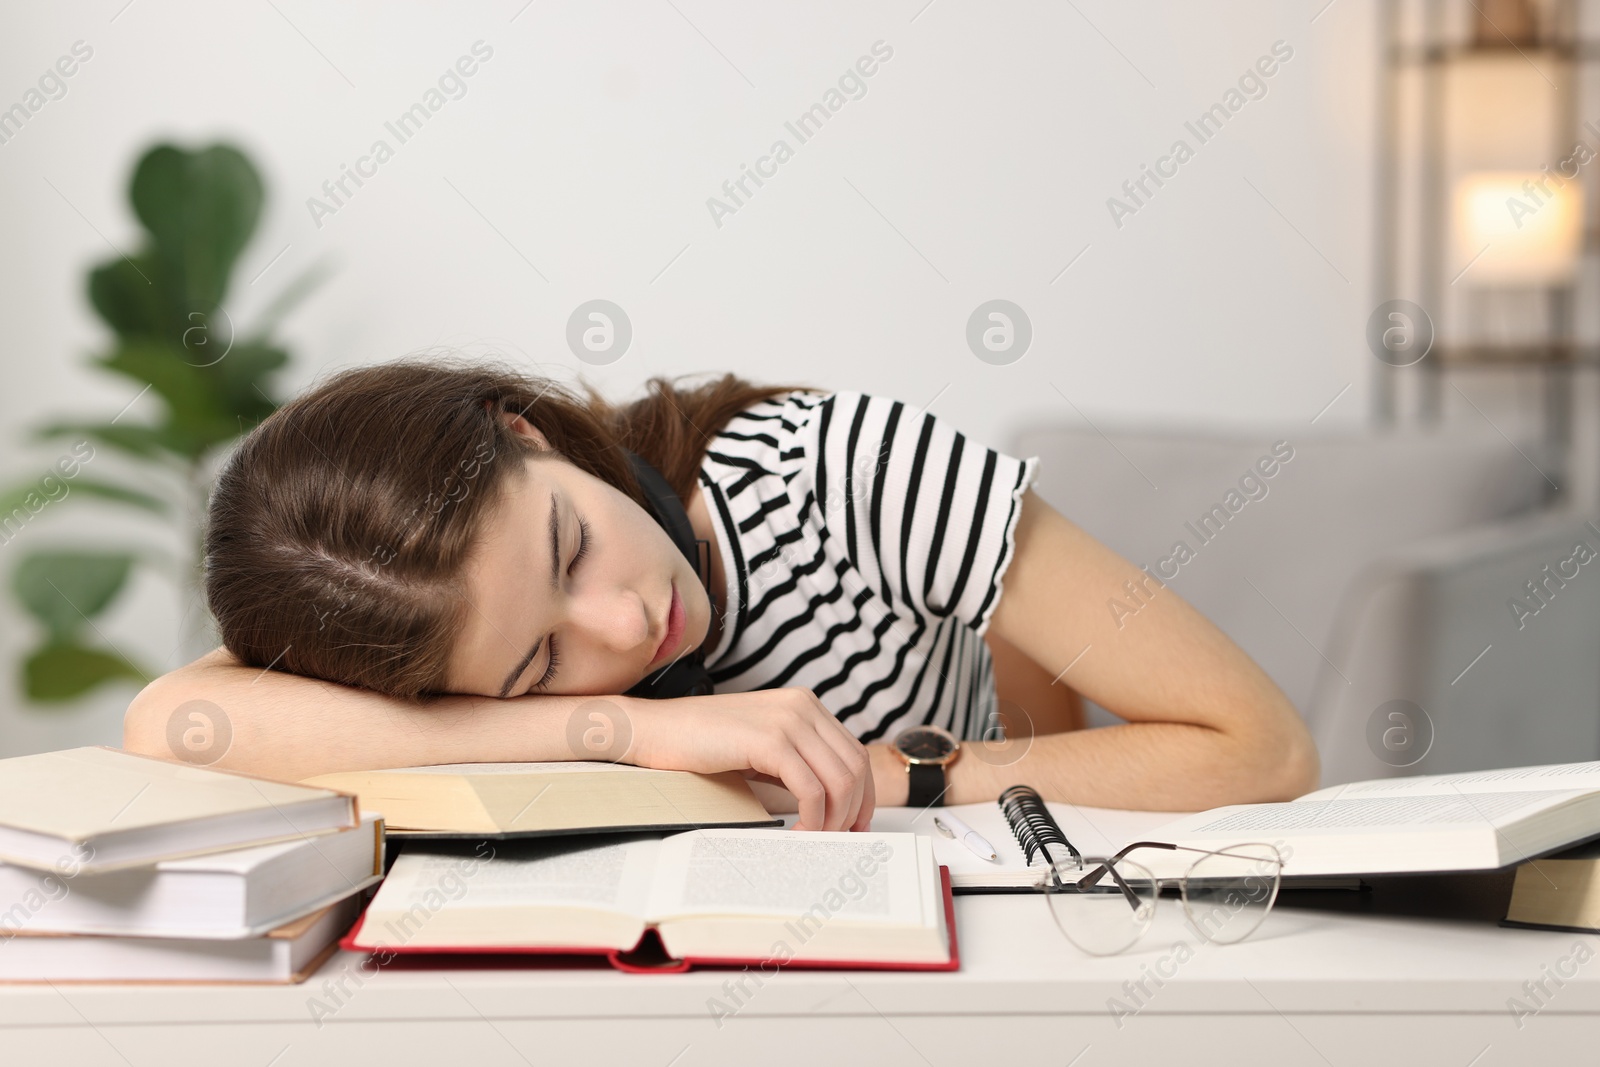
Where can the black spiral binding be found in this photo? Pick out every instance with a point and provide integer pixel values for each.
(1031, 822)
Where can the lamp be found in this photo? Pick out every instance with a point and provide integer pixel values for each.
(1486, 184)
(1517, 229)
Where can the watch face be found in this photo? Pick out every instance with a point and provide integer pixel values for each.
(926, 744)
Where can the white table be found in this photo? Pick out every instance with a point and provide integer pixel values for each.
(1311, 987)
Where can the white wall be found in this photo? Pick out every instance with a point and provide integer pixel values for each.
(977, 165)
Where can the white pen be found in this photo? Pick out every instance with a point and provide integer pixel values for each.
(950, 826)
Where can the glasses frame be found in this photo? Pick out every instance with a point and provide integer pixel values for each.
(1108, 865)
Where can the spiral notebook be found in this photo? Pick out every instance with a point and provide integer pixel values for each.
(1024, 829)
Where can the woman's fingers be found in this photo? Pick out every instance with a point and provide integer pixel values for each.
(838, 783)
(863, 797)
(785, 737)
(854, 757)
(869, 801)
(798, 778)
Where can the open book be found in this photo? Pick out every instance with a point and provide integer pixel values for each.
(1560, 892)
(1479, 820)
(710, 896)
(481, 800)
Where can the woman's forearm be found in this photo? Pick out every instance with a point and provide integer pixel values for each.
(289, 727)
(1204, 724)
(1154, 766)
(219, 713)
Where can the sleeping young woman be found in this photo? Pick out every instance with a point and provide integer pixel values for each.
(447, 562)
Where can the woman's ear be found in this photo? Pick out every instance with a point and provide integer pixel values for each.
(521, 426)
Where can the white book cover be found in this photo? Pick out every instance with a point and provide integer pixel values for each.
(108, 808)
(227, 895)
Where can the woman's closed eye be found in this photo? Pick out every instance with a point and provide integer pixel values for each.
(555, 658)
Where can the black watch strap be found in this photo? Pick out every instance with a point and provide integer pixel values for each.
(927, 785)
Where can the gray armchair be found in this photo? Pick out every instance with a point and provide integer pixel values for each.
(1364, 570)
(1507, 676)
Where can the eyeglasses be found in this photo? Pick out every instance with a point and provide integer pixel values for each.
(1226, 893)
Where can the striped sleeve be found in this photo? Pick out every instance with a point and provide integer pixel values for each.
(928, 516)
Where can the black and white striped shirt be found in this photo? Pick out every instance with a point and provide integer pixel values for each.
(864, 544)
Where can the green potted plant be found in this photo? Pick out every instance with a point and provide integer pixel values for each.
(172, 337)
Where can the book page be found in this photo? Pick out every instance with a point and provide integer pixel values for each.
(1554, 777)
(570, 871)
(1402, 812)
(559, 767)
(469, 798)
(863, 877)
(931, 894)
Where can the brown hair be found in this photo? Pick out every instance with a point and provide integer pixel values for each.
(337, 532)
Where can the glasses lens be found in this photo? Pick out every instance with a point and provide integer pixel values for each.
(1107, 917)
(1228, 892)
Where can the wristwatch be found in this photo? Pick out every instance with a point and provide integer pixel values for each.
(927, 750)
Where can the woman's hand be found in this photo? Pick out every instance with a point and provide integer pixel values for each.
(780, 736)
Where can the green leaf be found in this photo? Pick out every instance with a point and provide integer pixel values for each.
(126, 296)
(62, 589)
(61, 671)
(201, 208)
(164, 368)
(241, 379)
(207, 405)
(144, 442)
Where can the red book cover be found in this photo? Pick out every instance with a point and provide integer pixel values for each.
(649, 956)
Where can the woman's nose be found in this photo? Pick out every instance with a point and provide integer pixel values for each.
(619, 622)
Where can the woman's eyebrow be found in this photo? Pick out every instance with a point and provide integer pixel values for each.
(555, 584)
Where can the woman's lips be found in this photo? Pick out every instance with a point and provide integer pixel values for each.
(675, 621)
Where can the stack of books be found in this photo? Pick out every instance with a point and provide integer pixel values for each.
(121, 867)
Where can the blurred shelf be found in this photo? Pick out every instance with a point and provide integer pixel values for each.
(1417, 55)
(1543, 356)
